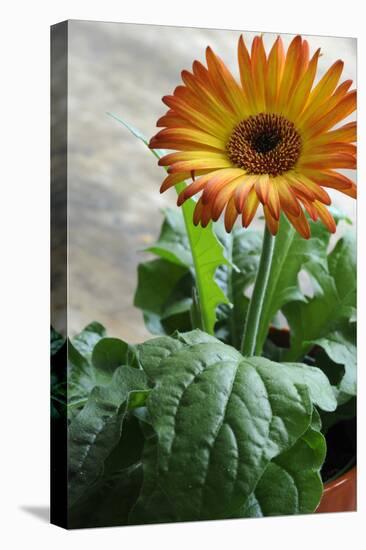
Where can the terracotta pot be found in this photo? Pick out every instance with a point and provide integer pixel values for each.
(340, 494)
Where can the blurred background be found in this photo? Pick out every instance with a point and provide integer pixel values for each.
(113, 180)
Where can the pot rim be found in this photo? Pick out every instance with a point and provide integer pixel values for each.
(333, 483)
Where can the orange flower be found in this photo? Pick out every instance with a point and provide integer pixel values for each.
(267, 139)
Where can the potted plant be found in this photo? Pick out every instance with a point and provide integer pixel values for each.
(244, 403)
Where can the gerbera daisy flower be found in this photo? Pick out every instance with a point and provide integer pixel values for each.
(268, 139)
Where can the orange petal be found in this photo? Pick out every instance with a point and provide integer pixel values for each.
(250, 208)
(273, 202)
(290, 71)
(185, 138)
(329, 178)
(259, 63)
(172, 180)
(222, 198)
(180, 156)
(323, 89)
(243, 190)
(317, 192)
(325, 216)
(351, 192)
(302, 89)
(271, 222)
(262, 188)
(185, 111)
(288, 199)
(304, 59)
(230, 215)
(332, 148)
(344, 108)
(197, 212)
(245, 68)
(195, 187)
(197, 102)
(206, 215)
(300, 223)
(203, 92)
(338, 160)
(346, 133)
(299, 188)
(310, 208)
(275, 65)
(326, 107)
(218, 181)
(225, 82)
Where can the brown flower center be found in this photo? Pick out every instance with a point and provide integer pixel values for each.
(265, 144)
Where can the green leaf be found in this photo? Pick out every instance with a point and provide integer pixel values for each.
(162, 293)
(242, 249)
(152, 505)
(85, 341)
(110, 353)
(128, 450)
(340, 347)
(108, 501)
(286, 488)
(81, 375)
(207, 255)
(207, 252)
(314, 379)
(211, 406)
(97, 429)
(334, 301)
(173, 243)
(291, 254)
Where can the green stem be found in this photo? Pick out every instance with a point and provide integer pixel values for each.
(249, 341)
(201, 310)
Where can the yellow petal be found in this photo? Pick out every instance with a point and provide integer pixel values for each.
(302, 89)
(344, 108)
(224, 80)
(290, 70)
(259, 63)
(181, 138)
(199, 164)
(245, 68)
(322, 90)
(275, 65)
